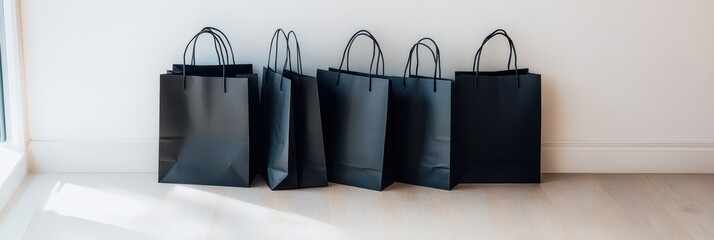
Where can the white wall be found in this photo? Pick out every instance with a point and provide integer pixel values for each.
(619, 76)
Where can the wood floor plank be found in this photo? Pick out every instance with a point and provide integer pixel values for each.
(582, 209)
(417, 213)
(564, 206)
(521, 211)
(638, 202)
(689, 199)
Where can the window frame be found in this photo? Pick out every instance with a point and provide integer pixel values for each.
(12, 75)
(3, 122)
(13, 153)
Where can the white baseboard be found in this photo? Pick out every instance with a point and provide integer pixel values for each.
(628, 157)
(557, 156)
(138, 155)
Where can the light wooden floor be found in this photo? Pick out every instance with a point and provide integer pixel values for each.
(565, 206)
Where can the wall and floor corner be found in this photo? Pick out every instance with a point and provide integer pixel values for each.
(626, 84)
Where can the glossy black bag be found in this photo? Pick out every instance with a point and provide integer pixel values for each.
(499, 114)
(421, 125)
(296, 154)
(204, 127)
(354, 119)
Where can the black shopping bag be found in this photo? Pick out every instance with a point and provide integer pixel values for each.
(204, 121)
(295, 156)
(310, 153)
(499, 115)
(354, 109)
(233, 70)
(280, 170)
(421, 125)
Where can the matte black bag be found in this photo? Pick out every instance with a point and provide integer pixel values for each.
(280, 170)
(310, 153)
(421, 126)
(232, 69)
(204, 127)
(499, 117)
(354, 119)
(295, 156)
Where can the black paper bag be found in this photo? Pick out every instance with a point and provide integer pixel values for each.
(310, 153)
(421, 126)
(224, 49)
(354, 119)
(204, 127)
(280, 171)
(310, 147)
(295, 156)
(281, 163)
(500, 115)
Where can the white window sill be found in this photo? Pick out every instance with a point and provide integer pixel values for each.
(13, 169)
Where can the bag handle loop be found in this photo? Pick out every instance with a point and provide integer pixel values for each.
(276, 39)
(298, 56)
(375, 47)
(409, 63)
(221, 57)
(477, 58)
(223, 37)
(380, 56)
(438, 55)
